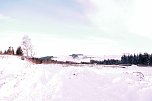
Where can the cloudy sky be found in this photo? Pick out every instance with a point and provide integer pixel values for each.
(93, 27)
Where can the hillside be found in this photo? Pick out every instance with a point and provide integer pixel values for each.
(21, 80)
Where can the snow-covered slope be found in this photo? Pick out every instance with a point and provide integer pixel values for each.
(87, 58)
(69, 58)
(23, 81)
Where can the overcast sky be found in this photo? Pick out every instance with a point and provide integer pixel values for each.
(63, 27)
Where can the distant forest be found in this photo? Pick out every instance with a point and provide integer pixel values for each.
(135, 59)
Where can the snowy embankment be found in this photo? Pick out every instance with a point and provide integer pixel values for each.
(23, 81)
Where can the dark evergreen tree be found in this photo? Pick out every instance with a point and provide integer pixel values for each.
(150, 60)
(124, 59)
(12, 50)
(145, 59)
(19, 51)
(5, 52)
(130, 59)
(140, 59)
(135, 59)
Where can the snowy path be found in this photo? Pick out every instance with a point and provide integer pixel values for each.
(22, 81)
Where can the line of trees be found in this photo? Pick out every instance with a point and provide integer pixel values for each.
(106, 62)
(25, 49)
(11, 51)
(136, 59)
(139, 59)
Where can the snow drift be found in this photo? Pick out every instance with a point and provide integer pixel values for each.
(21, 80)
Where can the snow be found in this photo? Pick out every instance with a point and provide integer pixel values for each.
(86, 58)
(69, 58)
(21, 80)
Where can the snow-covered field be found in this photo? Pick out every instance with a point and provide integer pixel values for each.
(24, 81)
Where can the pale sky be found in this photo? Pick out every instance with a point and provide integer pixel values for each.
(92, 27)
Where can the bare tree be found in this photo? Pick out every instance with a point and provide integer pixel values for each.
(27, 46)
